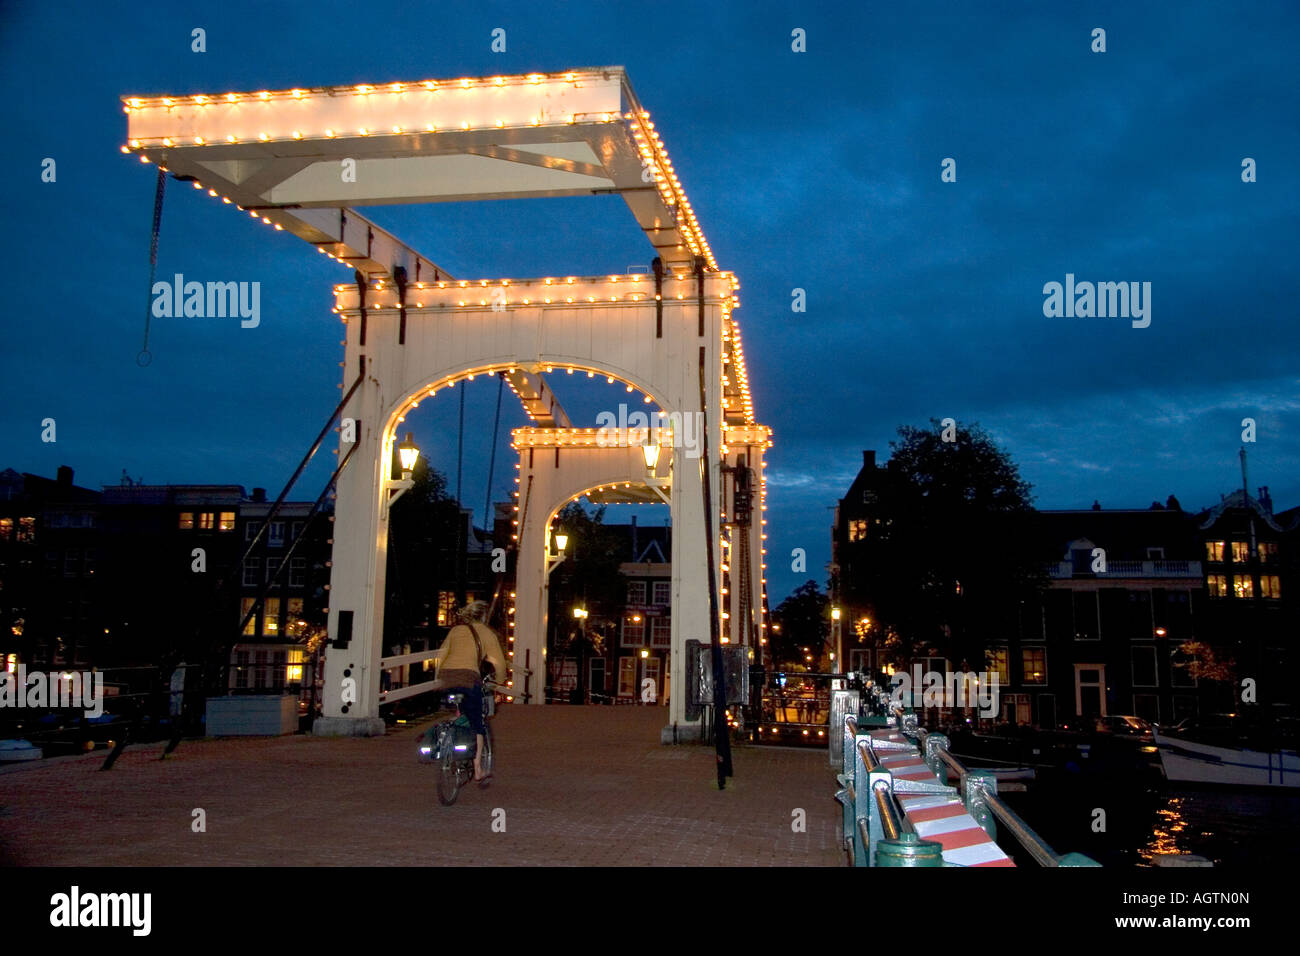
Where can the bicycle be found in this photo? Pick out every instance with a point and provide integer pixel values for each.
(451, 744)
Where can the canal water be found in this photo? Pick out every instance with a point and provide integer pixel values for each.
(1128, 823)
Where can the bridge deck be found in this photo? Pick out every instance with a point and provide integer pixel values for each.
(579, 786)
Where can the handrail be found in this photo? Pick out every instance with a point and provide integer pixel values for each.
(1031, 841)
(872, 811)
(979, 790)
(891, 818)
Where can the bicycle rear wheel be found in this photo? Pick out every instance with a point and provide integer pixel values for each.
(449, 779)
(486, 759)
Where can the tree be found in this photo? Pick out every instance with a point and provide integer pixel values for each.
(424, 552)
(801, 620)
(954, 556)
(591, 578)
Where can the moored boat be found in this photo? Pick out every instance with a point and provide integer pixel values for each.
(1231, 750)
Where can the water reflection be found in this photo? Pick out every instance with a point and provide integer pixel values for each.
(1234, 830)
(1169, 827)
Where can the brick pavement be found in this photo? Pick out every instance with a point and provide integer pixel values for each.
(579, 786)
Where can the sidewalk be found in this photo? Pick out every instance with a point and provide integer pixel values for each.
(579, 786)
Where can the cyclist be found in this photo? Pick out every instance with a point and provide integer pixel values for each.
(460, 659)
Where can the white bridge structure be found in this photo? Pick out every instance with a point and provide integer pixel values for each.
(303, 160)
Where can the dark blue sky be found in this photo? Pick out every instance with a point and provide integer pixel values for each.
(816, 170)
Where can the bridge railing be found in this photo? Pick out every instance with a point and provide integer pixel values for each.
(872, 814)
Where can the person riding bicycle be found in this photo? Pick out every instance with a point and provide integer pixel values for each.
(460, 659)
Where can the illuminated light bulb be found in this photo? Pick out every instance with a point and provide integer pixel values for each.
(265, 220)
(279, 228)
(465, 125)
(464, 84)
(609, 379)
(364, 131)
(226, 200)
(329, 133)
(264, 95)
(126, 149)
(501, 124)
(144, 159)
(167, 141)
(430, 85)
(199, 140)
(569, 77)
(230, 138)
(197, 184)
(397, 87)
(264, 136)
(134, 101)
(167, 101)
(297, 134)
(431, 127)
(297, 94)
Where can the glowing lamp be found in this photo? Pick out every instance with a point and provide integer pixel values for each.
(408, 453)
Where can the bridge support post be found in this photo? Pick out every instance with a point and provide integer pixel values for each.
(350, 697)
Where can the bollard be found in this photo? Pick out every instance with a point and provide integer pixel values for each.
(977, 786)
(909, 850)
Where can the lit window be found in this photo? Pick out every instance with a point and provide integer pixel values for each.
(998, 665)
(634, 631)
(6, 528)
(1270, 586)
(446, 607)
(1240, 552)
(1267, 551)
(206, 520)
(26, 530)
(271, 616)
(1033, 661)
(1242, 586)
(1214, 550)
(187, 521)
(858, 529)
(250, 628)
(1218, 585)
(226, 522)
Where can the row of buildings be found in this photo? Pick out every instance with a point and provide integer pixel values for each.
(1180, 610)
(134, 575)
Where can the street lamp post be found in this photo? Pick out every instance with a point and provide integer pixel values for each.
(837, 665)
(408, 453)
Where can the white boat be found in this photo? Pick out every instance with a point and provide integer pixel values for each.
(19, 751)
(1225, 749)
